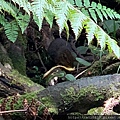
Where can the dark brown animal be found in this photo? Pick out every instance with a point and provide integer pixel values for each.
(61, 52)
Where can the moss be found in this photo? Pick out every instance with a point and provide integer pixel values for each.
(95, 111)
(50, 104)
(17, 77)
(89, 92)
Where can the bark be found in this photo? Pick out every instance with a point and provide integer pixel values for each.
(82, 94)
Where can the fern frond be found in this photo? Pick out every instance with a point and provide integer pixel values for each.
(5, 6)
(2, 20)
(112, 46)
(90, 28)
(61, 13)
(93, 14)
(92, 9)
(101, 37)
(38, 11)
(24, 4)
(76, 19)
(11, 30)
(79, 21)
(23, 21)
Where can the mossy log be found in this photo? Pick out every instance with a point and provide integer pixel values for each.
(12, 82)
(70, 96)
(82, 94)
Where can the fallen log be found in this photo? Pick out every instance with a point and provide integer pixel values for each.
(70, 96)
(83, 94)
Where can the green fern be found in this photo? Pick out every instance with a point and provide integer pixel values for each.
(5, 6)
(62, 11)
(93, 10)
(38, 11)
(24, 4)
(23, 21)
(11, 29)
(2, 20)
(61, 14)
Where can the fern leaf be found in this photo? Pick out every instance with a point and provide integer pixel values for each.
(49, 12)
(11, 30)
(6, 7)
(93, 5)
(101, 38)
(23, 21)
(38, 11)
(24, 4)
(49, 17)
(104, 14)
(2, 20)
(90, 28)
(83, 10)
(99, 6)
(61, 13)
(76, 19)
(78, 3)
(93, 14)
(112, 45)
(71, 2)
(86, 3)
(116, 15)
(99, 14)
(110, 12)
(67, 30)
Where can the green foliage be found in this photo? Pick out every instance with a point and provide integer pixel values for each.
(38, 11)
(24, 4)
(70, 77)
(83, 62)
(23, 21)
(95, 10)
(20, 20)
(111, 26)
(11, 29)
(62, 11)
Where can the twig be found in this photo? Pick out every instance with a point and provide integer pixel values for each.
(80, 73)
(10, 111)
(40, 58)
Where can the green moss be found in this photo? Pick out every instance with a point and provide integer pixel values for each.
(89, 92)
(50, 104)
(17, 77)
(95, 111)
